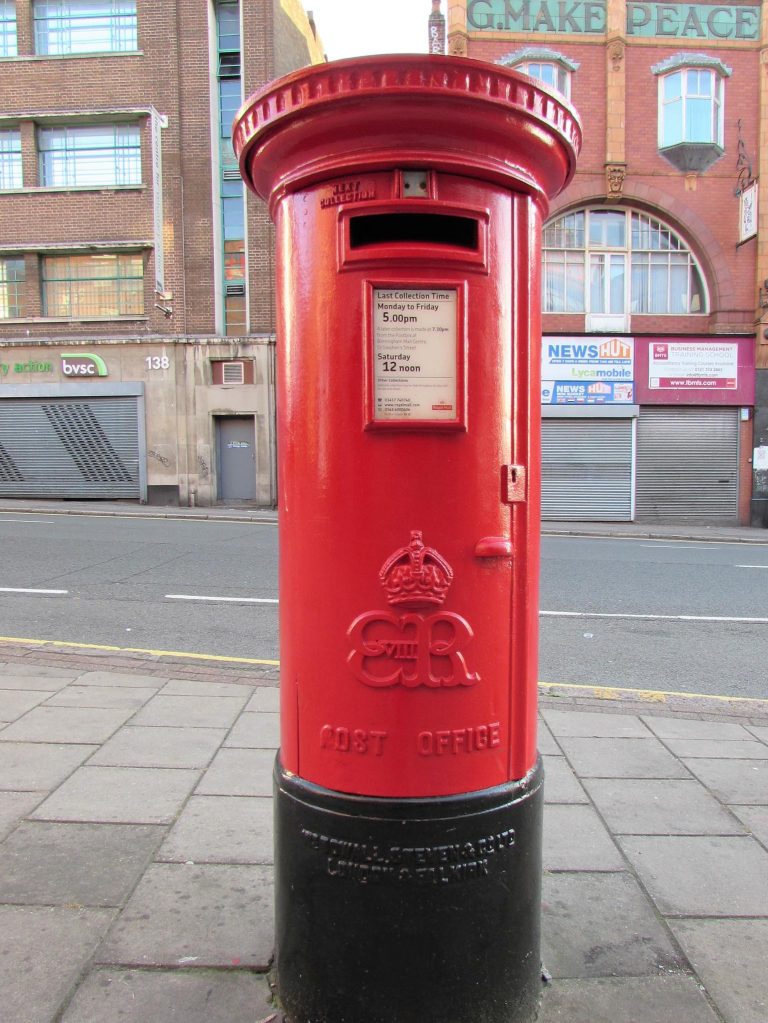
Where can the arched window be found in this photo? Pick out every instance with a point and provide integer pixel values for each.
(610, 263)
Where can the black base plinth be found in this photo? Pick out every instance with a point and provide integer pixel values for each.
(408, 910)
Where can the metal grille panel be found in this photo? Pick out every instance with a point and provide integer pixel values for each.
(687, 464)
(87, 448)
(586, 469)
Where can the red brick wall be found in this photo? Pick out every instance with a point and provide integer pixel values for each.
(703, 208)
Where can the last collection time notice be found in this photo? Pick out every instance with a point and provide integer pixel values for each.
(414, 354)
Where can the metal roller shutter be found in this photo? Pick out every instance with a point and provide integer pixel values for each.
(586, 469)
(687, 464)
(70, 447)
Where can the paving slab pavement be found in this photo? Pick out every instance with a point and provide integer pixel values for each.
(136, 847)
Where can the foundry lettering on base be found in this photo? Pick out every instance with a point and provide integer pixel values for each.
(369, 863)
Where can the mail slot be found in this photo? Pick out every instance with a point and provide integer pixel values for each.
(408, 195)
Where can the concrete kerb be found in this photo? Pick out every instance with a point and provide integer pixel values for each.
(604, 699)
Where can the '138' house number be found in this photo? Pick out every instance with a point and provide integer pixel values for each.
(157, 362)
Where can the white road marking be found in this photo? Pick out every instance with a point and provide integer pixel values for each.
(675, 547)
(47, 522)
(651, 618)
(750, 566)
(14, 589)
(223, 600)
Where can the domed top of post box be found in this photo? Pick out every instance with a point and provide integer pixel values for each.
(452, 114)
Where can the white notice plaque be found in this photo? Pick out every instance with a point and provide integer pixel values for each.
(415, 355)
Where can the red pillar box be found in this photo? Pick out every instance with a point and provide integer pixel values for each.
(408, 194)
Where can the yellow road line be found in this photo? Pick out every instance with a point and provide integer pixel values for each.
(137, 650)
(649, 694)
(607, 692)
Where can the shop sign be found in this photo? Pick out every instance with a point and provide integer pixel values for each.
(599, 392)
(30, 366)
(695, 371)
(587, 370)
(83, 364)
(678, 365)
(693, 21)
(588, 17)
(578, 16)
(748, 212)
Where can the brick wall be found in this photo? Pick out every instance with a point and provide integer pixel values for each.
(172, 73)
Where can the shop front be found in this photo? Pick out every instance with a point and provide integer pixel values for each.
(588, 428)
(647, 428)
(694, 434)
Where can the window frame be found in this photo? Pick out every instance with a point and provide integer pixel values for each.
(561, 74)
(11, 167)
(9, 41)
(54, 22)
(685, 100)
(529, 57)
(12, 286)
(128, 283)
(64, 157)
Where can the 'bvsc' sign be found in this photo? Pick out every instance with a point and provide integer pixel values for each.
(82, 364)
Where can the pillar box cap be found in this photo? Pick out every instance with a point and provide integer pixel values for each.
(453, 114)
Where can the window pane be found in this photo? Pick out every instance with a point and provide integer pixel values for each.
(659, 299)
(234, 261)
(564, 282)
(597, 284)
(228, 21)
(10, 159)
(85, 26)
(566, 233)
(640, 283)
(697, 300)
(672, 131)
(698, 120)
(678, 283)
(8, 47)
(672, 86)
(11, 288)
(233, 211)
(106, 284)
(234, 313)
(96, 156)
(607, 227)
(230, 98)
(617, 285)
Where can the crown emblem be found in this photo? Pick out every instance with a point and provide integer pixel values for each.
(416, 576)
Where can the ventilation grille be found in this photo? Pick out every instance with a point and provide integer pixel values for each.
(80, 432)
(9, 471)
(233, 373)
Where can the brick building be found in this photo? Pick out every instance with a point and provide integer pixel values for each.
(655, 259)
(136, 278)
